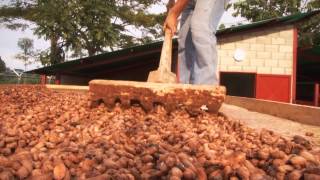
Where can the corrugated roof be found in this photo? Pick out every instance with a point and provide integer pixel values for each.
(147, 49)
(59, 68)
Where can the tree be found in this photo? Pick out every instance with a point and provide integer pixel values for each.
(2, 65)
(95, 26)
(257, 10)
(16, 10)
(222, 26)
(92, 25)
(27, 54)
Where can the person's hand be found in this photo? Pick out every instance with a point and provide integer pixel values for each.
(171, 23)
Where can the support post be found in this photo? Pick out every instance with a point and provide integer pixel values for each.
(58, 79)
(43, 79)
(295, 62)
(316, 94)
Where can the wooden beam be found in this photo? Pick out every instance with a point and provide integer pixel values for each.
(58, 79)
(316, 94)
(295, 61)
(43, 79)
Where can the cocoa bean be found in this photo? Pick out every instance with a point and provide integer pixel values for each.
(307, 176)
(2, 143)
(23, 172)
(263, 154)
(11, 132)
(63, 138)
(170, 161)
(6, 175)
(147, 158)
(176, 172)
(47, 176)
(278, 162)
(216, 175)
(285, 168)
(87, 165)
(309, 157)
(36, 172)
(298, 161)
(295, 175)
(243, 173)
(110, 164)
(5, 161)
(28, 164)
(59, 171)
(189, 174)
(6, 151)
(10, 139)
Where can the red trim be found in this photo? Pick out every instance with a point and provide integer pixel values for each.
(316, 94)
(43, 79)
(273, 87)
(58, 79)
(295, 60)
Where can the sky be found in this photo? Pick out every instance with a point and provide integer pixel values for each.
(9, 40)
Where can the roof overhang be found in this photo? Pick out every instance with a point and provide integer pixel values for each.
(130, 57)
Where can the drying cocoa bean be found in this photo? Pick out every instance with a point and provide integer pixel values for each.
(176, 172)
(295, 175)
(110, 164)
(298, 161)
(307, 176)
(6, 175)
(47, 134)
(189, 174)
(59, 171)
(23, 172)
(309, 157)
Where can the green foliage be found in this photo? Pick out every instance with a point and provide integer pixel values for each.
(92, 25)
(257, 10)
(9, 14)
(2, 66)
(222, 26)
(26, 46)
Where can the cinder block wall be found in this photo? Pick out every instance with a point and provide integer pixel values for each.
(268, 51)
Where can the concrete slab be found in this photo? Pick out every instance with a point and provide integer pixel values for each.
(299, 113)
(285, 127)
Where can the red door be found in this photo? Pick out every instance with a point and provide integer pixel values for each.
(273, 87)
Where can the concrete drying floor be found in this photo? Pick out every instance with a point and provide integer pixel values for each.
(282, 126)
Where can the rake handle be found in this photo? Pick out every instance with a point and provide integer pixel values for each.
(166, 52)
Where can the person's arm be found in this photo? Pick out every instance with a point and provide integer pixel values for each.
(171, 20)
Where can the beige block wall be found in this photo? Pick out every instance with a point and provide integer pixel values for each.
(267, 51)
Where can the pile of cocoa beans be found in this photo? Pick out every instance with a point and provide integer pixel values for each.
(57, 135)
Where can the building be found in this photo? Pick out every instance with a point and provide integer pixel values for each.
(258, 60)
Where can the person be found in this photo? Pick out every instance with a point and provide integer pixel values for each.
(197, 52)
